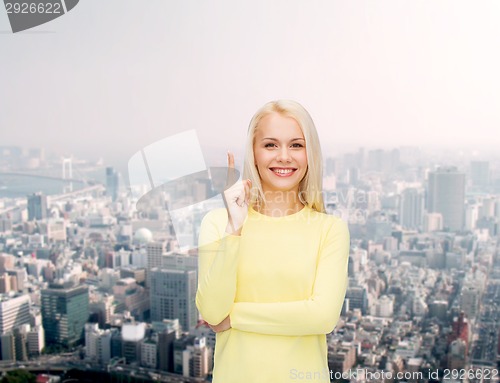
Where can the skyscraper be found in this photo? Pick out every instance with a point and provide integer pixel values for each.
(37, 206)
(14, 312)
(173, 293)
(154, 253)
(65, 310)
(112, 183)
(447, 196)
(480, 173)
(411, 208)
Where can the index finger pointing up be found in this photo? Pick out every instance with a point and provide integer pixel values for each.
(232, 175)
(230, 160)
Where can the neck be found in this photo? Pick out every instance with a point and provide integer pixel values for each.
(279, 203)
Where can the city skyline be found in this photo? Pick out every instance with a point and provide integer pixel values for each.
(419, 296)
(370, 73)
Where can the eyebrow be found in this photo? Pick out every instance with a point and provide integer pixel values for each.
(275, 139)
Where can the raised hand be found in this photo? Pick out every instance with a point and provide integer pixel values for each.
(236, 198)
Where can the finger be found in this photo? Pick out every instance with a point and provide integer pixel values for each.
(231, 171)
(230, 159)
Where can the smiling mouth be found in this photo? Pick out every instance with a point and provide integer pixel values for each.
(283, 172)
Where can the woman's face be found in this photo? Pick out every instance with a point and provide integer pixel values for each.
(280, 153)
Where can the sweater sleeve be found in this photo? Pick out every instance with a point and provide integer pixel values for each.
(217, 267)
(317, 315)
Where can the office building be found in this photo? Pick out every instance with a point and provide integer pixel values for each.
(173, 293)
(446, 195)
(36, 340)
(14, 312)
(166, 340)
(358, 298)
(132, 336)
(197, 359)
(179, 346)
(98, 343)
(342, 357)
(411, 208)
(8, 346)
(154, 253)
(149, 353)
(37, 206)
(131, 297)
(433, 222)
(65, 310)
(112, 183)
(480, 173)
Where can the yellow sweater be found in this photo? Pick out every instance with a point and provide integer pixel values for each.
(282, 283)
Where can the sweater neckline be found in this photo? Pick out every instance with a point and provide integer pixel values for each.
(292, 216)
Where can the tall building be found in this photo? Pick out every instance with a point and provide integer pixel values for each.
(330, 166)
(65, 310)
(103, 307)
(166, 340)
(149, 353)
(342, 357)
(154, 252)
(98, 343)
(433, 222)
(112, 183)
(173, 294)
(469, 300)
(132, 336)
(179, 346)
(384, 307)
(358, 298)
(4, 283)
(480, 173)
(446, 195)
(14, 312)
(460, 330)
(36, 340)
(14, 344)
(411, 211)
(131, 297)
(37, 206)
(179, 261)
(197, 359)
(457, 354)
(8, 346)
(21, 341)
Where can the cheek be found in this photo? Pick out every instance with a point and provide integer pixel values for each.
(303, 159)
(261, 157)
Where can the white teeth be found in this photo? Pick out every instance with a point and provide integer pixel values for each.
(283, 171)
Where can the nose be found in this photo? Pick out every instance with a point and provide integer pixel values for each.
(284, 155)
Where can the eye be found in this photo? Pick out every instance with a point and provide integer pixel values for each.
(269, 145)
(297, 145)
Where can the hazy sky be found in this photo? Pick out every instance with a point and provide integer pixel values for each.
(113, 76)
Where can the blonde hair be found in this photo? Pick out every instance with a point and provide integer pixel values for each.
(310, 187)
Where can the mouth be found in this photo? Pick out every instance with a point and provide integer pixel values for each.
(283, 172)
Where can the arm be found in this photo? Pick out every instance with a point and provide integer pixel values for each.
(217, 267)
(317, 315)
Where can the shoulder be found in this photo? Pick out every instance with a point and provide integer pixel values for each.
(327, 221)
(215, 218)
(215, 215)
(330, 225)
(213, 226)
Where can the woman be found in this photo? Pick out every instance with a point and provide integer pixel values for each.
(272, 269)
